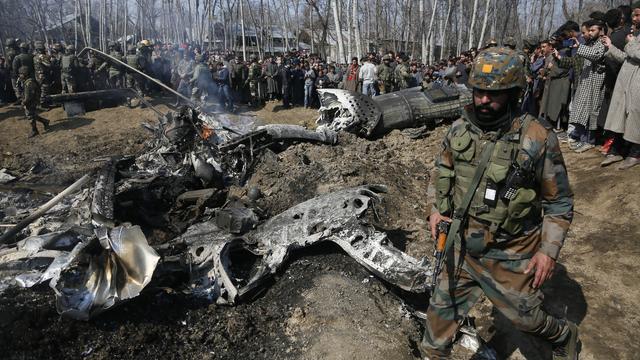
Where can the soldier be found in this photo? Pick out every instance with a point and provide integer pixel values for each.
(99, 72)
(30, 100)
(401, 73)
(23, 59)
(56, 68)
(115, 72)
(253, 80)
(69, 70)
(505, 237)
(201, 80)
(185, 70)
(11, 51)
(42, 67)
(385, 76)
(238, 77)
(137, 62)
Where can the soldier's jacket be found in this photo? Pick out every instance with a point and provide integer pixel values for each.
(114, 69)
(69, 64)
(402, 76)
(42, 64)
(385, 73)
(23, 60)
(10, 54)
(136, 61)
(31, 96)
(255, 72)
(537, 219)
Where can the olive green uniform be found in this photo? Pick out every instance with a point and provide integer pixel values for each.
(385, 78)
(43, 70)
(30, 100)
(19, 61)
(69, 71)
(115, 73)
(402, 76)
(253, 80)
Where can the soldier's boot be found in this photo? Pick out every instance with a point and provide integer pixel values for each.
(34, 130)
(569, 349)
(44, 122)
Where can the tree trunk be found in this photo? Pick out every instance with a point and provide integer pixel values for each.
(473, 23)
(484, 23)
(338, 29)
(244, 44)
(356, 24)
(430, 37)
(443, 53)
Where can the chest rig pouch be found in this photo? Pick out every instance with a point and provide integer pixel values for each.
(504, 198)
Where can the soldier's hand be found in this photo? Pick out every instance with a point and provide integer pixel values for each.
(543, 266)
(434, 219)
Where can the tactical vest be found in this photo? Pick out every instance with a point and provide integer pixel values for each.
(466, 147)
(132, 60)
(67, 63)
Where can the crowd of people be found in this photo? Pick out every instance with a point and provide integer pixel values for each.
(581, 79)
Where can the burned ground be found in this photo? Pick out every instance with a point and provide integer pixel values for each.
(323, 304)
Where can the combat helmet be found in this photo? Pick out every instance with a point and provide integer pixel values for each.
(38, 45)
(57, 47)
(24, 45)
(497, 68)
(509, 42)
(71, 48)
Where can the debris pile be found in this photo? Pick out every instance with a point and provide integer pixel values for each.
(171, 213)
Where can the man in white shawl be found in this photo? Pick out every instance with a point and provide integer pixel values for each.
(624, 112)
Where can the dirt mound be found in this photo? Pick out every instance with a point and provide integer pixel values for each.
(401, 164)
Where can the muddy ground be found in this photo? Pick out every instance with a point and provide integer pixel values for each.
(323, 305)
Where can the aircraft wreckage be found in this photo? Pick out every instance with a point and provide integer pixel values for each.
(89, 242)
(93, 257)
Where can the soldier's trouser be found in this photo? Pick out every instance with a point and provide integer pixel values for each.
(32, 115)
(68, 84)
(115, 81)
(508, 288)
(17, 87)
(45, 87)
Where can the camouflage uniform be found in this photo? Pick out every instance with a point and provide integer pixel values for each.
(385, 77)
(253, 79)
(201, 80)
(402, 76)
(99, 69)
(69, 70)
(499, 236)
(24, 59)
(138, 62)
(56, 68)
(115, 73)
(30, 100)
(42, 67)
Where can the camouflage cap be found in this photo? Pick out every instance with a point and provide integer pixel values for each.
(497, 68)
(386, 57)
(23, 70)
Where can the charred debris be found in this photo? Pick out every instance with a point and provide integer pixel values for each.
(166, 216)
